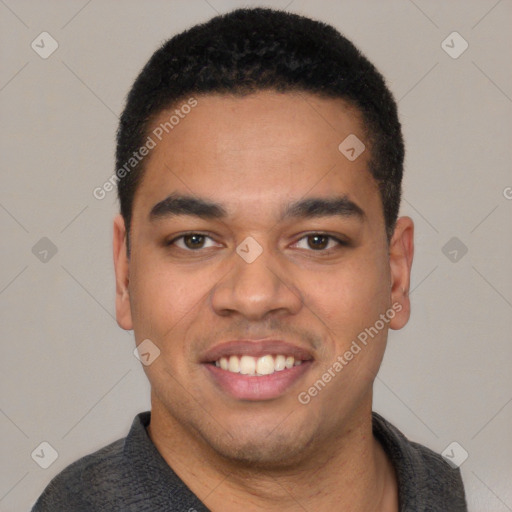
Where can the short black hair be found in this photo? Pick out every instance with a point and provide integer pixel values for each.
(250, 50)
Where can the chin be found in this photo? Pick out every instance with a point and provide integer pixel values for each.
(264, 450)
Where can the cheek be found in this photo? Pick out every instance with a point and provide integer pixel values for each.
(164, 298)
(350, 295)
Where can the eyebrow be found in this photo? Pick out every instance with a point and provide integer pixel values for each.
(339, 206)
(177, 204)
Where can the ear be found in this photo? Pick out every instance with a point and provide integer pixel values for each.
(121, 265)
(401, 252)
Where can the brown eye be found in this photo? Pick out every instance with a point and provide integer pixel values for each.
(194, 241)
(317, 242)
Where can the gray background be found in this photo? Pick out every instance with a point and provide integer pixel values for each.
(68, 373)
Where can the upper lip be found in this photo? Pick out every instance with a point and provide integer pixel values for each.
(255, 348)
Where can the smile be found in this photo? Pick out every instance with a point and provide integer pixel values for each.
(257, 366)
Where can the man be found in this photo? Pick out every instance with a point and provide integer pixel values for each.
(260, 261)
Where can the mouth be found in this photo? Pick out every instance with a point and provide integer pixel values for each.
(257, 366)
(256, 370)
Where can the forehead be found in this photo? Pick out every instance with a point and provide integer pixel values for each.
(255, 151)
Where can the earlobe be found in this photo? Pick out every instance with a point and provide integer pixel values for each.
(121, 266)
(401, 252)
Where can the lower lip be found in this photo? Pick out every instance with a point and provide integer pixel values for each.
(264, 387)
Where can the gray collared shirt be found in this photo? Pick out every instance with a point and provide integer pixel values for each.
(130, 475)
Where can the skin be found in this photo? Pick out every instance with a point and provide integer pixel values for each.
(254, 155)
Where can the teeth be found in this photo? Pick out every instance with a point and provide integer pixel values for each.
(247, 365)
(265, 365)
(234, 364)
(280, 363)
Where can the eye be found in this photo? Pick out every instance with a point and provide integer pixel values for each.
(319, 242)
(192, 241)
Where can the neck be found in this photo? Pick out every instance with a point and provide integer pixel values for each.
(348, 472)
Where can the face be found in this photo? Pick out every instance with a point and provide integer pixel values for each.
(259, 261)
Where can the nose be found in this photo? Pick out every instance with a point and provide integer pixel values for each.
(256, 289)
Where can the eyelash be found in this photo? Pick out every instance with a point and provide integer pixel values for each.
(340, 242)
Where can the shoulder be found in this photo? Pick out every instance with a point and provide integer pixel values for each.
(128, 475)
(105, 480)
(76, 486)
(426, 480)
(439, 478)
